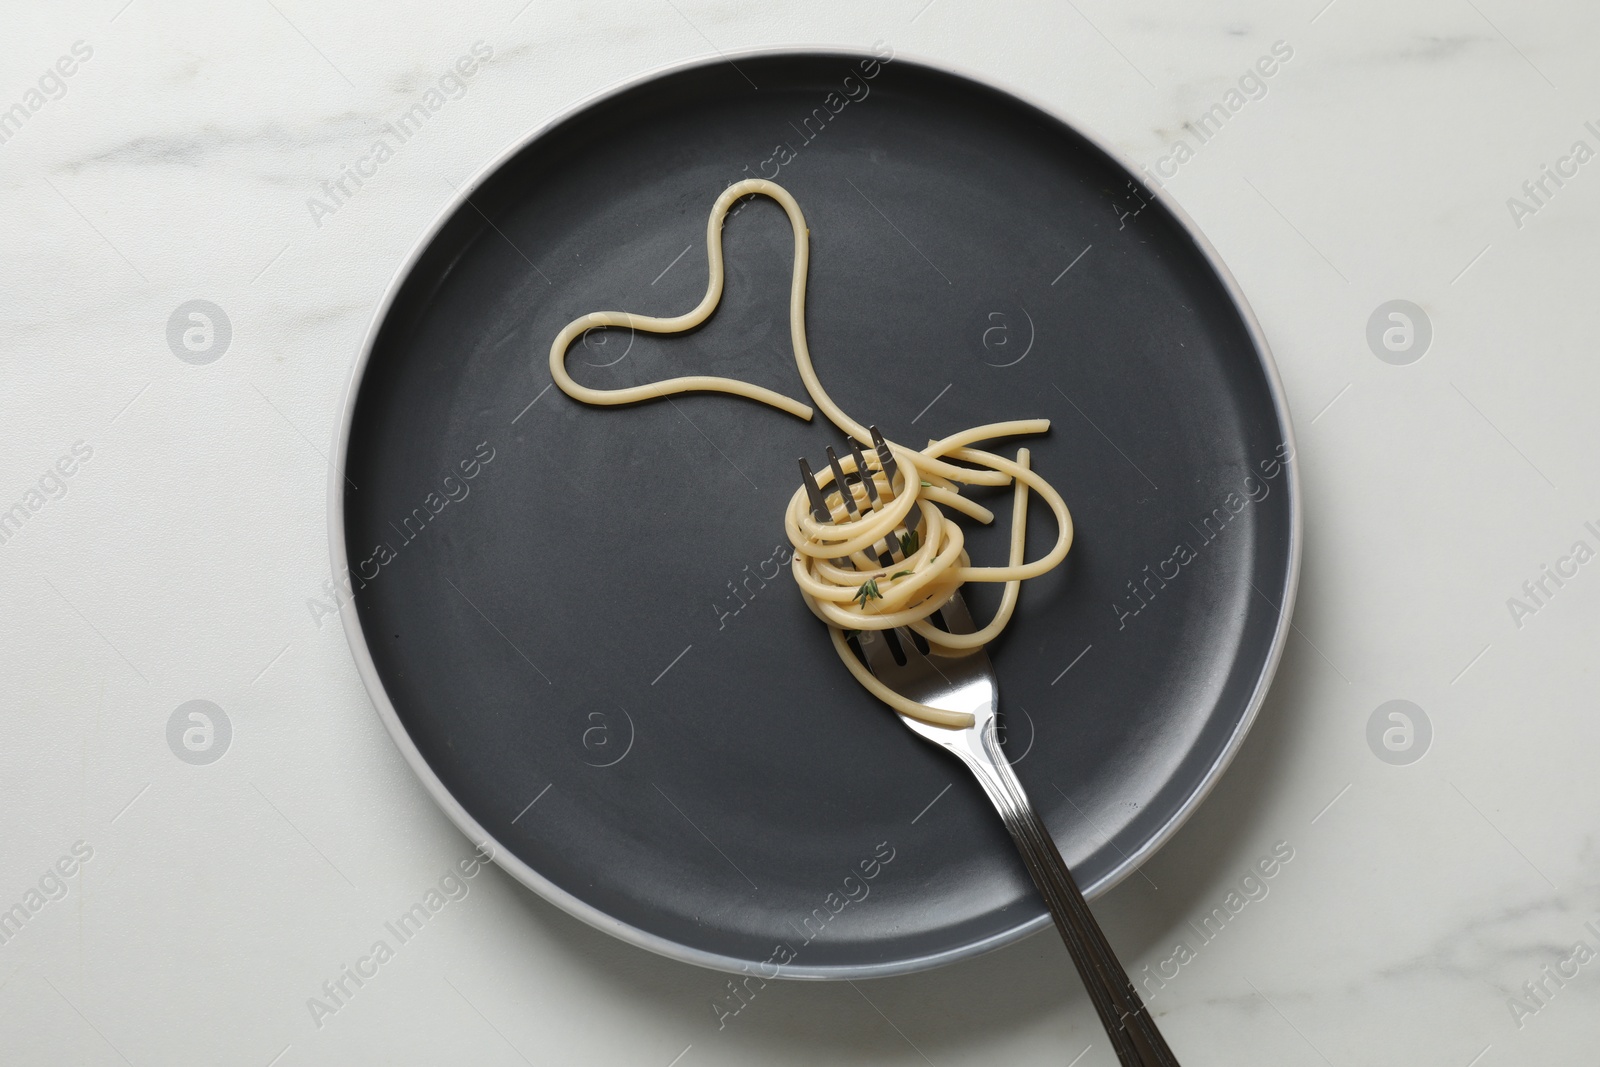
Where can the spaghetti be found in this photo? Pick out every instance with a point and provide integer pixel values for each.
(843, 576)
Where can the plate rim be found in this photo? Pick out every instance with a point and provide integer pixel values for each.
(581, 909)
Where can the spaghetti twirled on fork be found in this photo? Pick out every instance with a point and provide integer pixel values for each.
(888, 556)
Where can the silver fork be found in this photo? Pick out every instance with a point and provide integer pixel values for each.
(968, 684)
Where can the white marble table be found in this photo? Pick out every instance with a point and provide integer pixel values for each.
(203, 905)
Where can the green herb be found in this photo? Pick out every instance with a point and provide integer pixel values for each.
(901, 574)
(868, 591)
(909, 542)
(927, 485)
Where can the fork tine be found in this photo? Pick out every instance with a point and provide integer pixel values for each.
(819, 503)
(845, 494)
(885, 454)
(867, 480)
(889, 553)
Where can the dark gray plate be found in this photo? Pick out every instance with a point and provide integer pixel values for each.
(630, 702)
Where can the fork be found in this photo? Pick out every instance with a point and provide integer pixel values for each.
(968, 684)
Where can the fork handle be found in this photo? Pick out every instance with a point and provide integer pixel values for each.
(1127, 1022)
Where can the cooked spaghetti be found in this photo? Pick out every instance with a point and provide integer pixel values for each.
(886, 555)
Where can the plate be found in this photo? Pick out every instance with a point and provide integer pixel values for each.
(577, 623)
